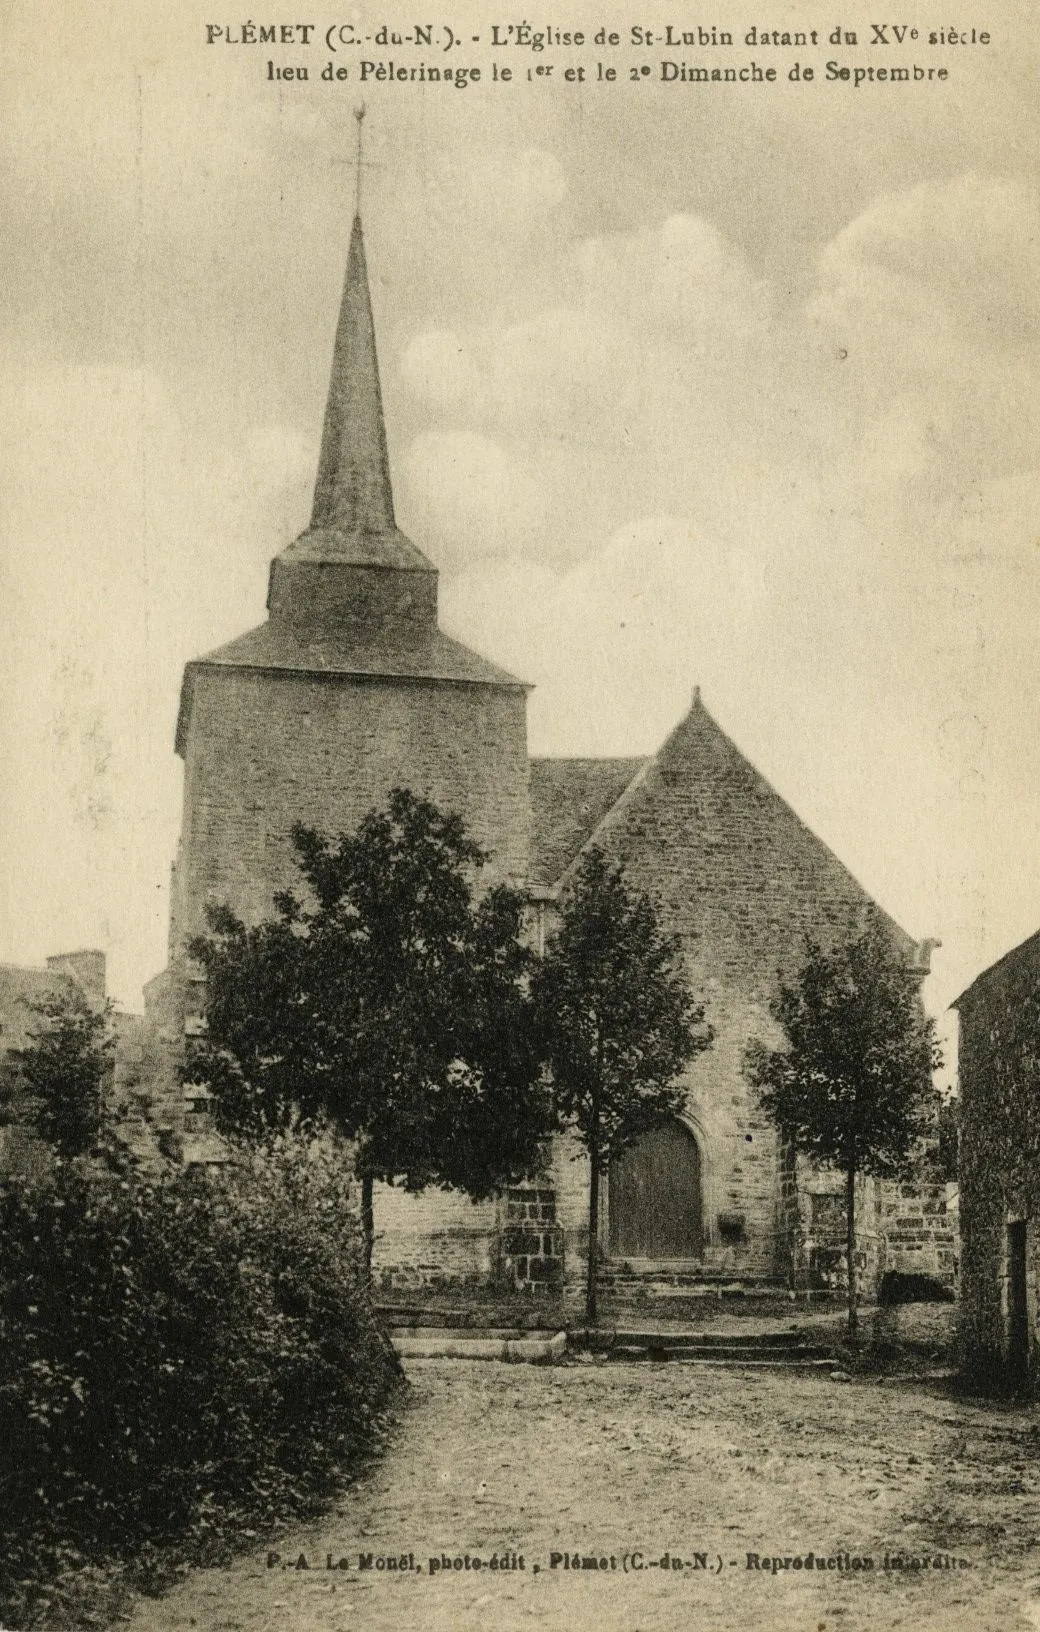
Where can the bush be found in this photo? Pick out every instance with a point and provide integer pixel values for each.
(179, 1357)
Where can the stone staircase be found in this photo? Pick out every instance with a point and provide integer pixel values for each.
(678, 1279)
(642, 1296)
(743, 1351)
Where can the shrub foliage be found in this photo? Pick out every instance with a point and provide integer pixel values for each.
(180, 1357)
(65, 1070)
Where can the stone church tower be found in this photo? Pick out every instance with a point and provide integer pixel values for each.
(348, 689)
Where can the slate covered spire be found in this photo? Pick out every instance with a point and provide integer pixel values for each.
(352, 579)
(352, 493)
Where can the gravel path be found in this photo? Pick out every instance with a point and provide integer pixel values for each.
(647, 1464)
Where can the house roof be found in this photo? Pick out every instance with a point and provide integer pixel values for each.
(1026, 951)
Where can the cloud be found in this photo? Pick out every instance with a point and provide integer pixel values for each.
(615, 645)
(471, 495)
(964, 251)
(127, 546)
(640, 372)
(682, 278)
(932, 296)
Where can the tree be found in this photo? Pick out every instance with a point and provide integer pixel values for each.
(852, 1085)
(395, 1005)
(616, 1022)
(65, 1069)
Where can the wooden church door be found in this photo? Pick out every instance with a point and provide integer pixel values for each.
(654, 1196)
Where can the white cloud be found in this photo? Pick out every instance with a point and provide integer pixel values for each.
(682, 278)
(472, 495)
(933, 296)
(440, 369)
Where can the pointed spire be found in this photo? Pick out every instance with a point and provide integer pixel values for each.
(352, 493)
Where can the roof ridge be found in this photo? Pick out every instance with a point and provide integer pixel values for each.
(627, 793)
(802, 823)
(991, 968)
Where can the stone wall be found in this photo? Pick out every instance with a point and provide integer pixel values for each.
(266, 749)
(920, 1226)
(436, 1238)
(910, 1228)
(530, 1247)
(999, 1173)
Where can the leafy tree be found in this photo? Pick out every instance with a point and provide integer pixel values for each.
(65, 1069)
(395, 1005)
(852, 1086)
(616, 1021)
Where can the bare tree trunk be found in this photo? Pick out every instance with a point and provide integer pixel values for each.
(368, 1225)
(850, 1246)
(590, 1279)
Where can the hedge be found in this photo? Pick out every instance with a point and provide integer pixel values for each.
(181, 1357)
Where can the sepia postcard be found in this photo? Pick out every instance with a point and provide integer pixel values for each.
(620, 428)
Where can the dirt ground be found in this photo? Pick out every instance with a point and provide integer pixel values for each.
(641, 1465)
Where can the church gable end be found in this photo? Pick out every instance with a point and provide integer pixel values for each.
(739, 876)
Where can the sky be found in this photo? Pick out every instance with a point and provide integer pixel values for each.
(725, 386)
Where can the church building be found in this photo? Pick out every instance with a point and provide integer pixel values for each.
(349, 688)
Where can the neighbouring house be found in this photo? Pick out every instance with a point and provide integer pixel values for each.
(135, 1064)
(999, 1167)
(349, 688)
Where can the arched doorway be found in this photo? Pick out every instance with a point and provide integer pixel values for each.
(654, 1198)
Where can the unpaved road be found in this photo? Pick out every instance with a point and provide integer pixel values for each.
(630, 1462)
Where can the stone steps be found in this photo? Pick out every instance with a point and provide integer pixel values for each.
(713, 1362)
(784, 1351)
(610, 1275)
(442, 1343)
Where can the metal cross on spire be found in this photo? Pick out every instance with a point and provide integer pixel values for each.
(358, 159)
(359, 115)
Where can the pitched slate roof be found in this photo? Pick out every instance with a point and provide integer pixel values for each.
(569, 798)
(326, 652)
(1021, 960)
(335, 655)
